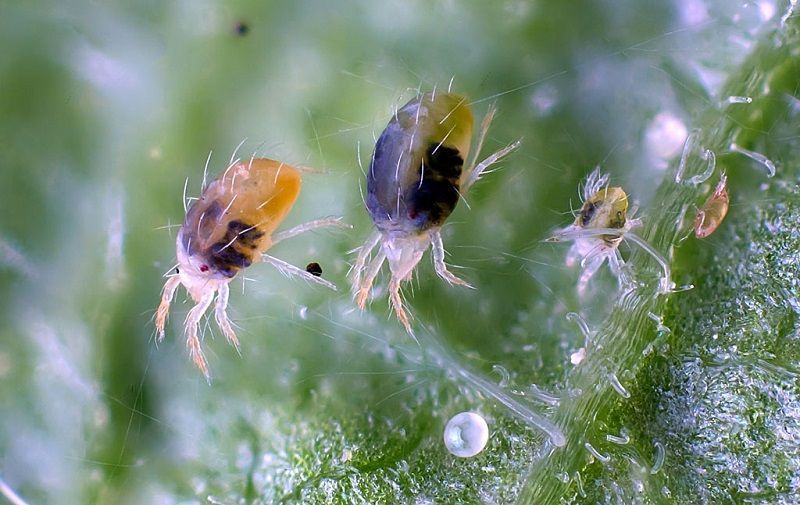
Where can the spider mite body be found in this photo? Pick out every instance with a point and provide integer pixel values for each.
(414, 178)
(227, 229)
(714, 210)
(420, 168)
(604, 209)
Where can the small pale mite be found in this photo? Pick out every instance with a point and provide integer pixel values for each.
(602, 223)
(314, 269)
(605, 209)
(466, 434)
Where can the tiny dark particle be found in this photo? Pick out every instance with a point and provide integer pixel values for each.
(314, 269)
(241, 28)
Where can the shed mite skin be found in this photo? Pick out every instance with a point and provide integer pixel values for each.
(229, 227)
(420, 168)
(604, 209)
(714, 210)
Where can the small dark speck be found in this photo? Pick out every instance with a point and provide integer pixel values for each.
(177, 270)
(314, 269)
(241, 28)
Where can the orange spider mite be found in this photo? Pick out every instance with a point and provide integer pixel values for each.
(227, 229)
(714, 210)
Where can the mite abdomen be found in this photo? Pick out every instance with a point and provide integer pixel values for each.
(231, 224)
(413, 181)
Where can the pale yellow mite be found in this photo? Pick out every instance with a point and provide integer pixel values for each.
(228, 228)
(599, 227)
(714, 210)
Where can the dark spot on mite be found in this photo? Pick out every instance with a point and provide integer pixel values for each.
(177, 270)
(200, 224)
(227, 259)
(587, 212)
(434, 198)
(244, 234)
(234, 251)
(444, 161)
(241, 28)
(314, 269)
(213, 211)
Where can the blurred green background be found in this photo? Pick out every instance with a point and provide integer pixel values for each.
(107, 108)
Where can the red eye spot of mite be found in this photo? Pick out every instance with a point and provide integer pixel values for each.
(204, 268)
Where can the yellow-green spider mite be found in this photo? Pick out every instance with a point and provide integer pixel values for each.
(229, 227)
(599, 227)
(420, 168)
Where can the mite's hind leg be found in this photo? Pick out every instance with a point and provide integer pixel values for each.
(362, 289)
(192, 326)
(397, 303)
(590, 267)
(311, 225)
(617, 265)
(290, 270)
(439, 264)
(163, 308)
(361, 260)
(221, 315)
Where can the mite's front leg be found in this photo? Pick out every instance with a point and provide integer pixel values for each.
(365, 284)
(474, 170)
(361, 260)
(290, 270)
(163, 308)
(311, 225)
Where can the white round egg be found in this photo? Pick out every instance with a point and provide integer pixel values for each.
(466, 434)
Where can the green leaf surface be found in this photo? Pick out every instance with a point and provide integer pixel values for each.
(107, 110)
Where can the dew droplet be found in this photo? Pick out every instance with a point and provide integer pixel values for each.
(466, 434)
